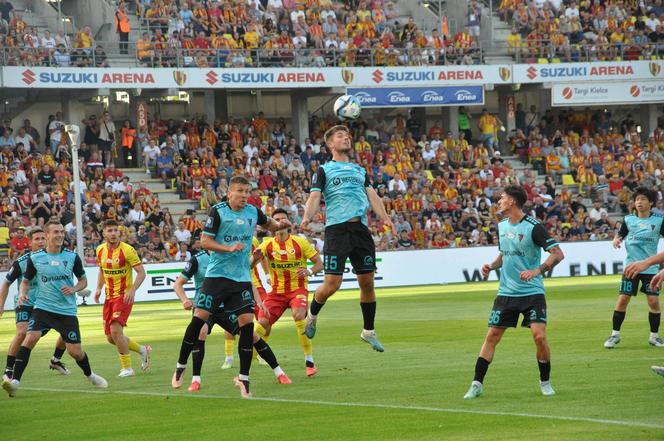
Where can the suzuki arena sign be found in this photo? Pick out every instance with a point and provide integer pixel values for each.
(619, 92)
(602, 71)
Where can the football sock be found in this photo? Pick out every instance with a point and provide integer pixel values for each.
(260, 330)
(315, 307)
(10, 365)
(654, 319)
(618, 317)
(58, 353)
(190, 338)
(196, 378)
(245, 348)
(228, 347)
(197, 356)
(22, 358)
(305, 341)
(545, 369)
(125, 361)
(481, 366)
(265, 352)
(84, 364)
(368, 314)
(133, 345)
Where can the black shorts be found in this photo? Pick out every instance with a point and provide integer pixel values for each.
(226, 294)
(630, 287)
(349, 240)
(506, 311)
(65, 325)
(23, 314)
(105, 146)
(227, 321)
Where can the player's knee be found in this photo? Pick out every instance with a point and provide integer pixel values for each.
(653, 303)
(110, 339)
(540, 338)
(21, 333)
(75, 351)
(331, 286)
(366, 284)
(299, 314)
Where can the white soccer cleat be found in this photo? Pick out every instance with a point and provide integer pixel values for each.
(97, 381)
(475, 390)
(145, 357)
(10, 386)
(546, 388)
(228, 363)
(370, 337)
(126, 373)
(612, 341)
(656, 341)
(659, 370)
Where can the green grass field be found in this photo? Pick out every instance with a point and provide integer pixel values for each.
(412, 391)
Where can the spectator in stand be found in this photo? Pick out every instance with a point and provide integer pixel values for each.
(122, 27)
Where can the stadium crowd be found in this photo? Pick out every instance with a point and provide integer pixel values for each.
(597, 30)
(440, 189)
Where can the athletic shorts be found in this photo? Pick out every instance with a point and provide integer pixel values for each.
(349, 240)
(276, 304)
(233, 297)
(65, 325)
(506, 311)
(115, 310)
(630, 287)
(23, 314)
(228, 322)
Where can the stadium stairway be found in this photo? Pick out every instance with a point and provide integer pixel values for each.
(168, 197)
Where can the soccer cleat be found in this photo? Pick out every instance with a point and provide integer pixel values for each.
(475, 390)
(126, 373)
(546, 388)
(145, 357)
(612, 341)
(370, 337)
(10, 386)
(656, 341)
(311, 371)
(97, 381)
(59, 366)
(195, 386)
(659, 370)
(283, 379)
(310, 326)
(243, 386)
(176, 381)
(228, 363)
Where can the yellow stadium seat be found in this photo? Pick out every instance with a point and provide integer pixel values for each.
(542, 61)
(556, 60)
(428, 174)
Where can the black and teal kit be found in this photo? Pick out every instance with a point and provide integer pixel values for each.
(641, 236)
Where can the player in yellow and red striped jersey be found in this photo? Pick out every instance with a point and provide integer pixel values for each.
(287, 257)
(117, 261)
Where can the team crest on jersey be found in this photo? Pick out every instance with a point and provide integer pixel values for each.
(65, 263)
(291, 251)
(520, 237)
(652, 228)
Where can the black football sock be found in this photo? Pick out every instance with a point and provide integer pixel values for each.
(22, 358)
(315, 307)
(618, 317)
(654, 319)
(481, 366)
(246, 347)
(10, 365)
(545, 369)
(265, 352)
(84, 364)
(197, 356)
(368, 314)
(190, 338)
(58, 353)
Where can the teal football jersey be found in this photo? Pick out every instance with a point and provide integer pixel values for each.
(229, 227)
(15, 273)
(641, 237)
(52, 273)
(195, 269)
(343, 185)
(521, 245)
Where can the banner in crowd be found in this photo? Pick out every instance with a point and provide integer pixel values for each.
(619, 92)
(403, 268)
(419, 96)
(596, 71)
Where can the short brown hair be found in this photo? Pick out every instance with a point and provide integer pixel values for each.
(109, 223)
(33, 231)
(48, 224)
(334, 129)
(238, 180)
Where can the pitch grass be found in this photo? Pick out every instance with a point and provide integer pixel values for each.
(412, 391)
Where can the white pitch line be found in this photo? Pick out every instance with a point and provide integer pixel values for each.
(364, 405)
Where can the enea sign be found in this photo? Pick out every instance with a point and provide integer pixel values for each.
(419, 96)
(601, 71)
(619, 92)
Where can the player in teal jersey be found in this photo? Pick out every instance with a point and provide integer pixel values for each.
(196, 268)
(641, 232)
(24, 311)
(228, 234)
(348, 195)
(521, 288)
(55, 305)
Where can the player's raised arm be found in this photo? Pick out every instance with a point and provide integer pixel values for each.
(378, 207)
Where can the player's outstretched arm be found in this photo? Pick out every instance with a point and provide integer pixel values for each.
(310, 209)
(488, 267)
(378, 208)
(179, 291)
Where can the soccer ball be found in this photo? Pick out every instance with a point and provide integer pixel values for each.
(347, 108)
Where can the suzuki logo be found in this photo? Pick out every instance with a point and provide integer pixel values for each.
(377, 76)
(29, 77)
(531, 72)
(212, 77)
